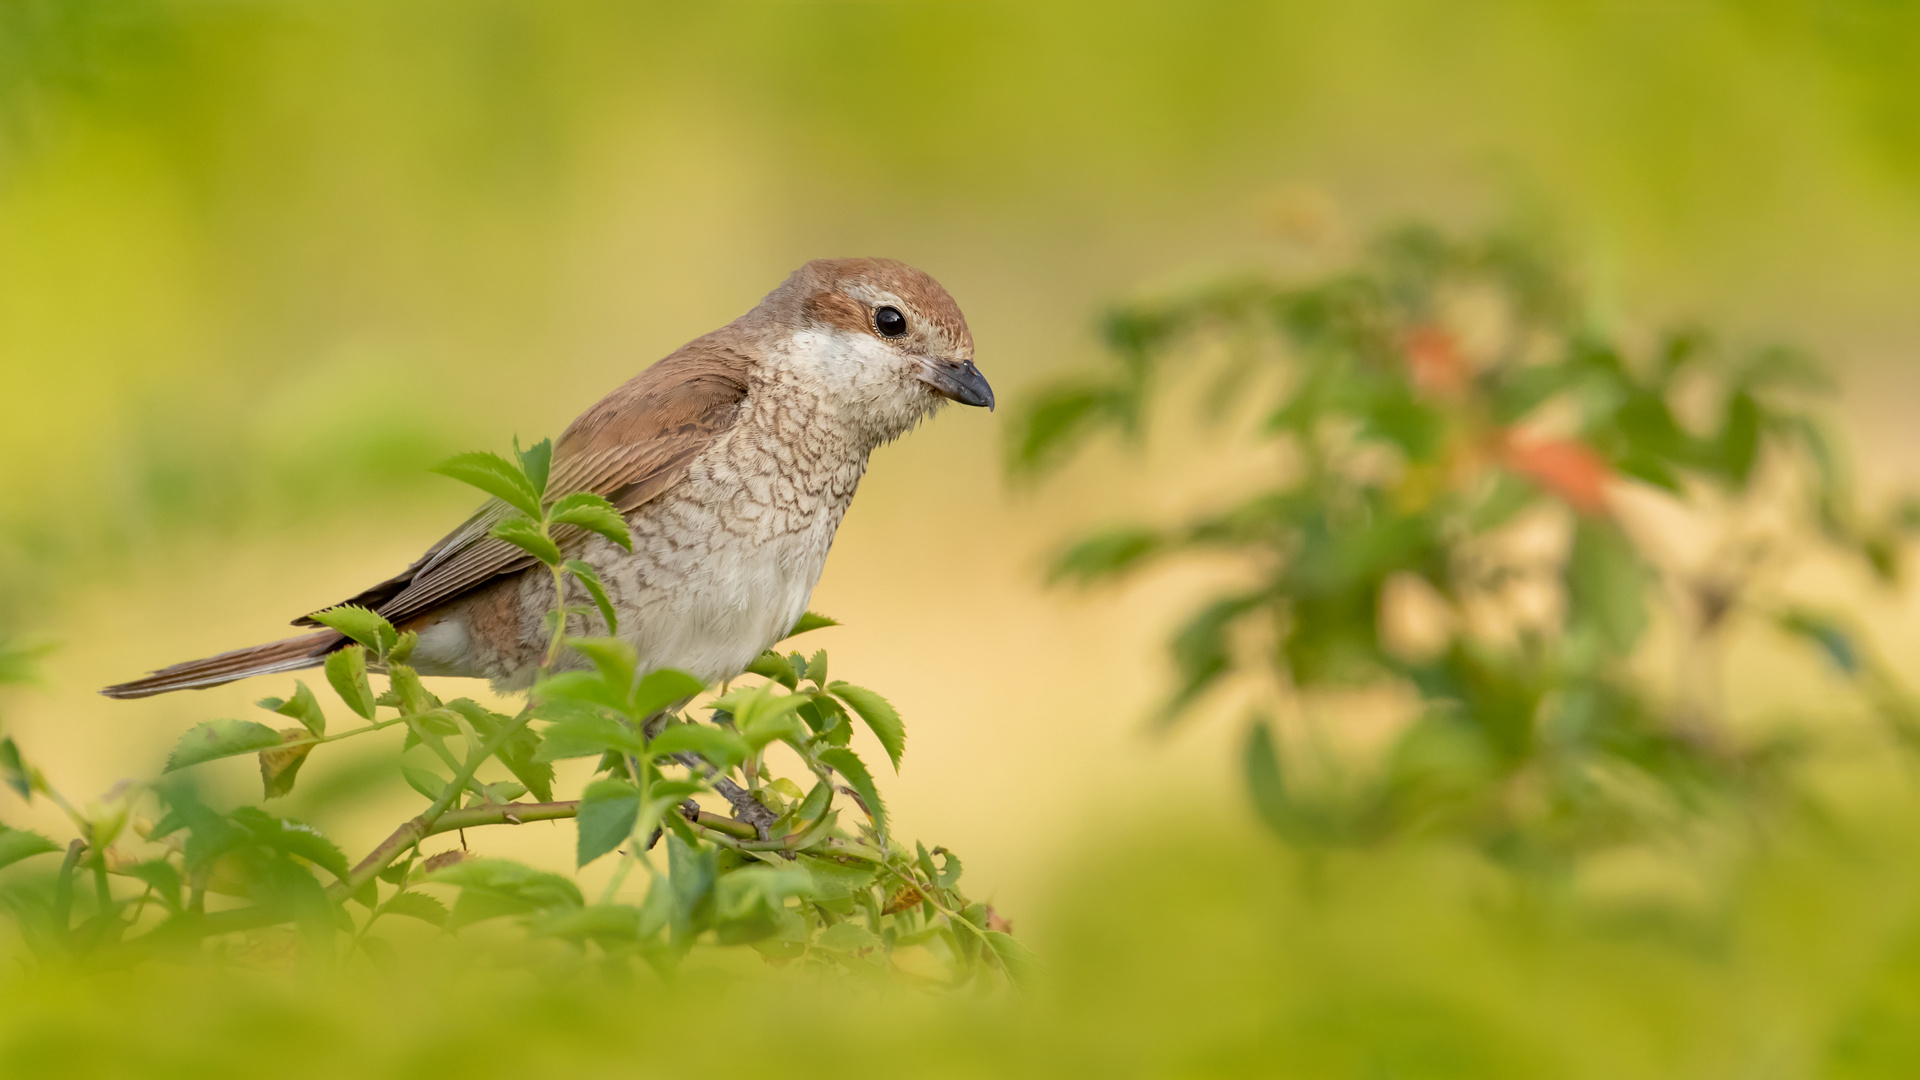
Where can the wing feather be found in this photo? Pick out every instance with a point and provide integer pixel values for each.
(631, 447)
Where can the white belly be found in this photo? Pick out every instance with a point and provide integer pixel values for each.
(713, 614)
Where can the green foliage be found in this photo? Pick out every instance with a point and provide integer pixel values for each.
(214, 739)
(751, 858)
(1450, 437)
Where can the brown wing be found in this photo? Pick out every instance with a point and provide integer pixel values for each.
(630, 448)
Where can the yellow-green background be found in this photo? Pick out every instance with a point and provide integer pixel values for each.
(262, 262)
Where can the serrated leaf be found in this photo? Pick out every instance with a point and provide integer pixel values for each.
(663, 689)
(213, 739)
(771, 665)
(279, 765)
(590, 579)
(526, 535)
(583, 736)
(425, 781)
(17, 844)
(812, 620)
(614, 659)
(848, 764)
(495, 887)
(608, 810)
(520, 753)
(578, 688)
(817, 668)
(361, 625)
(292, 838)
(347, 674)
(416, 905)
(879, 715)
(1015, 959)
(496, 476)
(846, 937)
(718, 745)
(536, 462)
(413, 695)
(302, 707)
(585, 510)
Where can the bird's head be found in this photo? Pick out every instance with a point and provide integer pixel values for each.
(876, 336)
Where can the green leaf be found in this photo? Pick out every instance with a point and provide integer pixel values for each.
(1606, 584)
(414, 698)
(614, 659)
(815, 804)
(536, 462)
(584, 736)
(817, 668)
(771, 665)
(846, 937)
(279, 765)
(1266, 784)
(718, 745)
(490, 888)
(1106, 555)
(608, 810)
(425, 781)
(1201, 652)
(302, 707)
(347, 674)
(213, 739)
(525, 534)
(835, 880)
(590, 578)
(13, 770)
(292, 838)
(1015, 959)
(17, 844)
(812, 620)
(361, 625)
(591, 512)
(416, 905)
(848, 764)
(663, 689)
(879, 715)
(496, 476)
(577, 689)
(520, 753)
(162, 877)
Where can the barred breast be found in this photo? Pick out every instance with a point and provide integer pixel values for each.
(722, 564)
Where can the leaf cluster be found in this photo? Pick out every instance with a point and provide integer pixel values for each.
(1427, 407)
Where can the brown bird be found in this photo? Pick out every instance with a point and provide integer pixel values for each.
(732, 459)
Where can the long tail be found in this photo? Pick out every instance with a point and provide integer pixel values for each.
(309, 650)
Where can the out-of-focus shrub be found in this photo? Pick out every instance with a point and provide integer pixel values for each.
(1451, 440)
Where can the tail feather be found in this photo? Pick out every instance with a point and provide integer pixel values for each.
(308, 650)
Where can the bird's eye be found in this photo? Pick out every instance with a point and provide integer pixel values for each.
(889, 322)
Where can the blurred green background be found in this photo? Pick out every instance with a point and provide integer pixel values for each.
(261, 263)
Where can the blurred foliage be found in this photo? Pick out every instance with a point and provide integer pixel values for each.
(1447, 433)
(1258, 961)
(782, 873)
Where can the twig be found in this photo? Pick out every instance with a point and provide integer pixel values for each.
(745, 807)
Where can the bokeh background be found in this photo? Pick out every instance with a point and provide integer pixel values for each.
(262, 263)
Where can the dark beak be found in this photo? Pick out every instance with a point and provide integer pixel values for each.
(961, 382)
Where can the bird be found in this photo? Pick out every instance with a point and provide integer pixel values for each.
(732, 459)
